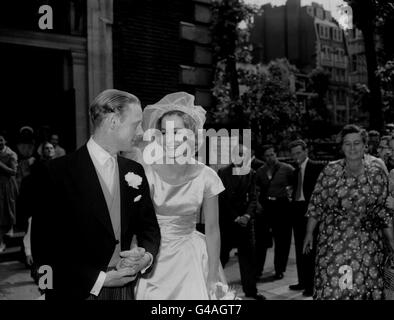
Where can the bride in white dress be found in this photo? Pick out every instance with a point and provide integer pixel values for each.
(188, 265)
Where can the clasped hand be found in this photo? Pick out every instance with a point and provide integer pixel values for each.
(135, 259)
(130, 264)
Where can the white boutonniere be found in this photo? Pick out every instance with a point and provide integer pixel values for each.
(133, 180)
(137, 198)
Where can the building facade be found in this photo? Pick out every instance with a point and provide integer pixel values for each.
(308, 37)
(149, 48)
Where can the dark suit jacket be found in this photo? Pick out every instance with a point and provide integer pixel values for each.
(239, 197)
(256, 164)
(71, 225)
(312, 171)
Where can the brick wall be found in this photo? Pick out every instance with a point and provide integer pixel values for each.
(148, 49)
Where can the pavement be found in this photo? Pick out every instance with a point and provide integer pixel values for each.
(16, 283)
(269, 287)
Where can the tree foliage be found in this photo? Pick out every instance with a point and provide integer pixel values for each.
(249, 95)
(375, 18)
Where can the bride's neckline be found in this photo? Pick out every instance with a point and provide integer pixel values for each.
(189, 178)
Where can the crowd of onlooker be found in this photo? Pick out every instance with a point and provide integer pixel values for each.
(29, 151)
(340, 214)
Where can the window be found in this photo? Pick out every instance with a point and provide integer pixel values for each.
(326, 52)
(321, 30)
(339, 35)
(341, 97)
(354, 63)
(324, 31)
(341, 55)
(320, 13)
(309, 10)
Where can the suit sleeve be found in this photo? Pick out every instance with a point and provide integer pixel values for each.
(148, 231)
(252, 207)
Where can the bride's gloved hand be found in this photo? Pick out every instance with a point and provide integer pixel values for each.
(135, 259)
(212, 280)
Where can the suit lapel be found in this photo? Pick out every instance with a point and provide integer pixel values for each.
(238, 183)
(125, 199)
(233, 182)
(87, 181)
(307, 173)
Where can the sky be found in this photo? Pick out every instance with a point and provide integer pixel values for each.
(330, 5)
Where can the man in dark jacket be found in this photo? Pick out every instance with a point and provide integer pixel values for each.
(305, 176)
(101, 201)
(237, 206)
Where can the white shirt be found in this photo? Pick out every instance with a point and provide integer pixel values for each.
(302, 168)
(100, 158)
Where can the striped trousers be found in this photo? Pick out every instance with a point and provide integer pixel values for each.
(121, 293)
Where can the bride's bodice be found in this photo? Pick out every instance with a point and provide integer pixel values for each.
(177, 205)
(175, 227)
(171, 200)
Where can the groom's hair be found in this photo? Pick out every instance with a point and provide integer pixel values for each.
(110, 101)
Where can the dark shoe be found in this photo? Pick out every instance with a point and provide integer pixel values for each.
(297, 287)
(257, 296)
(308, 293)
(278, 276)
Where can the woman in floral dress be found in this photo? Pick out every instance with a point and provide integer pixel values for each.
(349, 203)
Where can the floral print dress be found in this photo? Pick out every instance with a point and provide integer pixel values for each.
(350, 247)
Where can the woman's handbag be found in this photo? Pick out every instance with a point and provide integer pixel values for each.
(388, 277)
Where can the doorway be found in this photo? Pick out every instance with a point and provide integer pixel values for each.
(37, 91)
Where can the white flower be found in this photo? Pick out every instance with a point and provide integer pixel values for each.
(137, 198)
(134, 180)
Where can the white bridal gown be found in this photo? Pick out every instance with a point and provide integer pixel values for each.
(181, 267)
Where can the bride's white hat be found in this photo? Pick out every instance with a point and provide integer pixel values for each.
(177, 101)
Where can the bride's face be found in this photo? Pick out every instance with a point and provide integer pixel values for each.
(174, 134)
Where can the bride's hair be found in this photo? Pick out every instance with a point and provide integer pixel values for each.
(188, 121)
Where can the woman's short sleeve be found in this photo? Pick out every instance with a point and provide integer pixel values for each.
(213, 184)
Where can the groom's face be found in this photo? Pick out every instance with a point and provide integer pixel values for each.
(129, 127)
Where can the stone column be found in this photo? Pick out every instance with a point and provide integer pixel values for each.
(99, 36)
(81, 97)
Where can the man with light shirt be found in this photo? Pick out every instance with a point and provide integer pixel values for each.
(305, 176)
(273, 182)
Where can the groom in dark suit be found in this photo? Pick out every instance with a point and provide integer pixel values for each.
(94, 203)
(305, 177)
